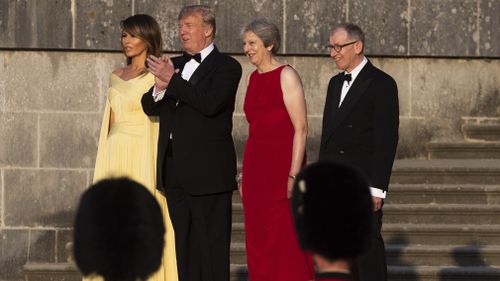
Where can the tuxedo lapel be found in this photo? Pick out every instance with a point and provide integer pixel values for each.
(332, 107)
(356, 91)
(205, 67)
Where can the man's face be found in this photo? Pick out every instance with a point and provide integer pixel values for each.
(194, 34)
(349, 56)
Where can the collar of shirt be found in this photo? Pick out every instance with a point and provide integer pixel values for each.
(192, 65)
(347, 85)
(354, 73)
(205, 52)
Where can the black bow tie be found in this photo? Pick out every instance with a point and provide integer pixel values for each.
(347, 77)
(188, 57)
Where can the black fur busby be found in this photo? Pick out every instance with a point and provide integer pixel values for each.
(332, 208)
(119, 231)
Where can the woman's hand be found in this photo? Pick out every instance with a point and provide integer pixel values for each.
(289, 188)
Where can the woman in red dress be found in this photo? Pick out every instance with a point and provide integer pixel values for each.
(275, 108)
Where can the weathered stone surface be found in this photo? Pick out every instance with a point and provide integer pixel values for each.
(400, 71)
(233, 15)
(242, 87)
(34, 24)
(42, 245)
(314, 131)
(1, 199)
(69, 140)
(240, 135)
(14, 247)
(63, 252)
(98, 23)
(385, 27)
(489, 25)
(58, 81)
(6, 32)
(454, 88)
(18, 132)
(315, 73)
(2, 82)
(166, 13)
(415, 133)
(308, 24)
(444, 28)
(42, 197)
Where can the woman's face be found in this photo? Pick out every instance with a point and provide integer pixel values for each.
(133, 46)
(254, 48)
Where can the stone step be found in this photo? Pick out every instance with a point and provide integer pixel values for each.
(463, 150)
(441, 234)
(441, 214)
(443, 273)
(238, 232)
(414, 273)
(239, 272)
(238, 253)
(449, 255)
(443, 255)
(236, 197)
(51, 272)
(238, 212)
(443, 194)
(486, 132)
(446, 171)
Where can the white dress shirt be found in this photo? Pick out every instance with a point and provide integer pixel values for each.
(187, 71)
(347, 85)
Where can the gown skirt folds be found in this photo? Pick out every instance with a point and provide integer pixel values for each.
(129, 149)
(273, 251)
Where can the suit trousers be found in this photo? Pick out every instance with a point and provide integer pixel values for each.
(372, 265)
(202, 226)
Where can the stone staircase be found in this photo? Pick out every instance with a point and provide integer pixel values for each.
(441, 219)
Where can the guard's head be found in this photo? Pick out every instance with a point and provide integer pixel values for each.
(332, 208)
(119, 231)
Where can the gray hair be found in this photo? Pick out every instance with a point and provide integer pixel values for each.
(266, 30)
(353, 31)
(207, 14)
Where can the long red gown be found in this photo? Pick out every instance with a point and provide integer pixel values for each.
(273, 251)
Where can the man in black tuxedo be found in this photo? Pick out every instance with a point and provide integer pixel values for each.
(360, 128)
(194, 97)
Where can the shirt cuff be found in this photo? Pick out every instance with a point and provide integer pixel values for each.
(158, 95)
(378, 192)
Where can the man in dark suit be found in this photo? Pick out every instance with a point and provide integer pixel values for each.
(194, 97)
(360, 128)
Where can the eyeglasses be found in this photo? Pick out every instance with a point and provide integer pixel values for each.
(338, 48)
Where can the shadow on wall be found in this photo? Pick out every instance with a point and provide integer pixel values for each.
(13, 253)
(241, 274)
(407, 272)
(471, 265)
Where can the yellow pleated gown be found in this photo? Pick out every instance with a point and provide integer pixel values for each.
(129, 149)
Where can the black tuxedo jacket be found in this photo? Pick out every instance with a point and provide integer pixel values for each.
(199, 114)
(363, 132)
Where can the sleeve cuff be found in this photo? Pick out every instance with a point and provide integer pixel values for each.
(158, 95)
(378, 192)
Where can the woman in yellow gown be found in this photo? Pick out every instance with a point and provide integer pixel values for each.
(128, 138)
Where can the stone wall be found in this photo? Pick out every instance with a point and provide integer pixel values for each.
(442, 28)
(56, 57)
(50, 112)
